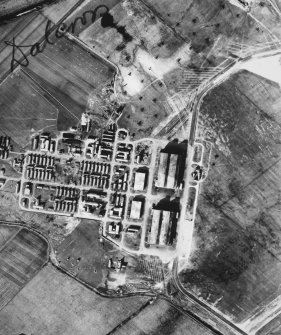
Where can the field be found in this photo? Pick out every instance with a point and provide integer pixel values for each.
(24, 110)
(147, 110)
(22, 255)
(272, 328)
(70, 75)
(162, 318)
(26, 30)
(53, 303)
(236, 262)
(213, 25)
(84, 256)
(83, 244)
(12, 7)
(67, 76)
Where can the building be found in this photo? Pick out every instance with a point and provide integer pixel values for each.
(154, 226)
(139, 181)
(171, 177)
(114, 228)
(164, 227)
(136, 209)
(162, 170)
(168, 170)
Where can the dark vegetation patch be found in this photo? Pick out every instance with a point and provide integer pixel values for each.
(237, 261)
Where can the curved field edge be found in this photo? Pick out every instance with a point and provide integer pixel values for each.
(235, 264)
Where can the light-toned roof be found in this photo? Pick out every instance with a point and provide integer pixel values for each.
(136, 209)
(139, 181)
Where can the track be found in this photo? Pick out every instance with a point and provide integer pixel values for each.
(213, 315)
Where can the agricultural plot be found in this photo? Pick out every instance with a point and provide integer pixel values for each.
(214, 27)
(69, 75)
(162, 318)
(53, 303)
(12, 7)
(142, 116)
(83, 255)
(26, 30)
(24, 110)
(6, 233)
(22, 255)
(236, 262)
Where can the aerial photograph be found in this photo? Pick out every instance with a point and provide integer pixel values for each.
(140, 167)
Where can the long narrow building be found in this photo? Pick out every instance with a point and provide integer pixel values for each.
(162, 170)
(155, 226)
(171, 178)
(164, 227)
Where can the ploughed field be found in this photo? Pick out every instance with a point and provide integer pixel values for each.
(236, 262)
(22, 255)
(64, 73)
(54, 303)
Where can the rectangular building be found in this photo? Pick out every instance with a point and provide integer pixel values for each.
(155, 226)
(162, 170)
(164, 227)
(171, 178)
(139, 181)
(136, 209)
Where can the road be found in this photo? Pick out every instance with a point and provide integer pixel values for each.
(225, 326)
(186, 226)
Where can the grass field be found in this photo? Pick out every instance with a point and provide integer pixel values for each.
(83, 244)
(53, 303)
(24, 110)
(147, 110)
(162, 318)
(236, 263)
(84, 256)
(22, 255)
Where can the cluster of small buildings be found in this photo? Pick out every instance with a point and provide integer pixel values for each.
(117, 264)
(118, 201)
(44, 142)
(93, 203)
(73, 145)
(107, 141)
(160, 231)
(18, 163)
(85, 122)
(5, 146)
(40, 167)
(65, 199)
(95, 174)
(122, 134)
(197, 173)
(168, 170)
(123, 154)
(120, 176)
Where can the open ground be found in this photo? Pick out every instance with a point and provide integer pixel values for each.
(162, 318)
(22, 255)
(69, 308)
(235, 264)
